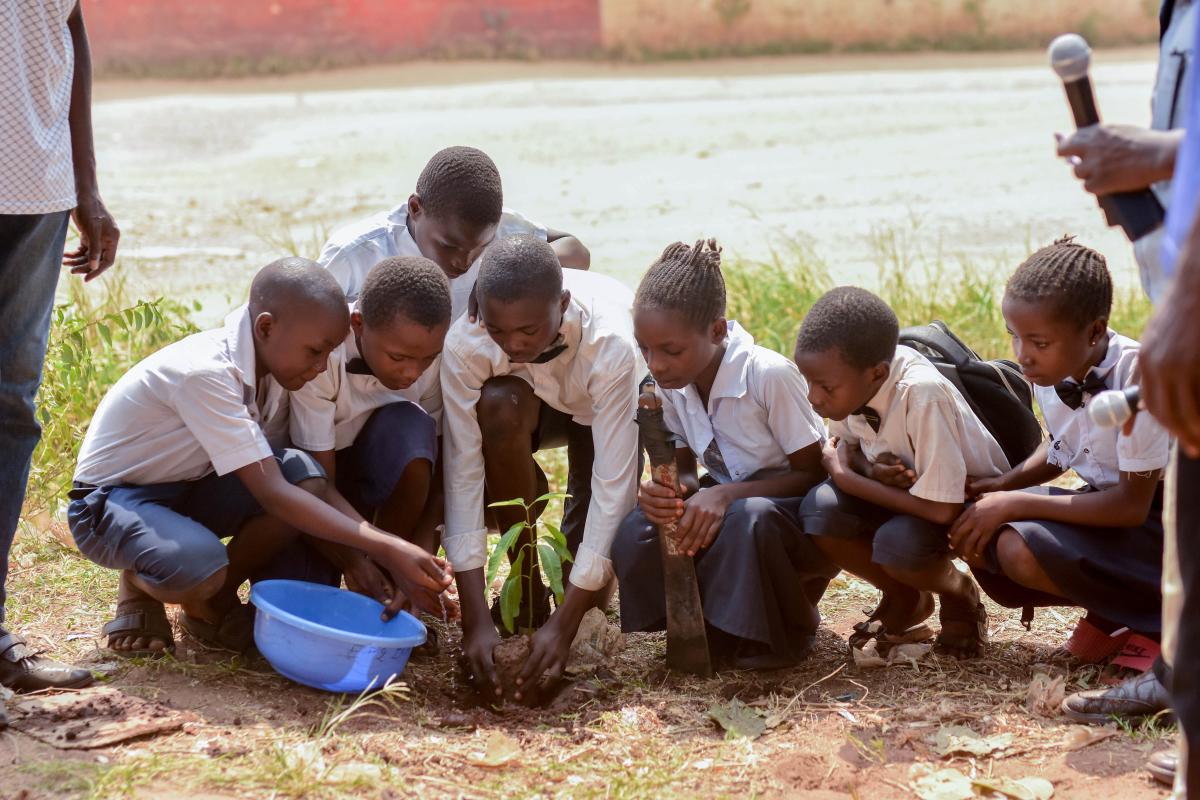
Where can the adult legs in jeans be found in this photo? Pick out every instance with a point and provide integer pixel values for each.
(31, 249)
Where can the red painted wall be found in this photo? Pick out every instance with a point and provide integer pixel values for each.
(127, 34)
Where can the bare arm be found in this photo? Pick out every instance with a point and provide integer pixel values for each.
(1125, 505)
(98, 233)
(571, 252)
(1169, 359)
(1033, 471)
(420, 576)
(836, 459)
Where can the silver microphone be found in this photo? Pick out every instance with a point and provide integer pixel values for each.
(1115, 407)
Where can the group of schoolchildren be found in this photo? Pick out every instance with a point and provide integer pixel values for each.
(365, 409)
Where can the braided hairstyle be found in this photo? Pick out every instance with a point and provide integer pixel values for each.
(687, 280)
(463, 184)
(405, 286)
(1071, 277)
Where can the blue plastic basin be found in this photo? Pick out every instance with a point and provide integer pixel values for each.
(330, 638)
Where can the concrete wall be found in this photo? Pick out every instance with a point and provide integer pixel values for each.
(214, 36)
(697, 25)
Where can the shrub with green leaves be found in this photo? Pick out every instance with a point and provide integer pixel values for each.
(538, 553)
(94, 339)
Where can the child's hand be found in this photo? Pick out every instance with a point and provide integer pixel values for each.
(478, 643)
(366, 578)
(834, 456)
(659, 503)
(889, 470)
(973, 530)
(977, 487)
(418, 576)
(548, 652)
(702, 517)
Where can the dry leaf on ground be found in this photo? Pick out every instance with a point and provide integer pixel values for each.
(738, 719)
(1083, 735)
(1017, 788)
(960, 740)
(1045, 695)
(499, 750)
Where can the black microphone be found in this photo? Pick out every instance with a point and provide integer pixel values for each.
(1137, 212)
(1115, 407)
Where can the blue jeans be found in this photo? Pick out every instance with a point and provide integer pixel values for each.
(31, 249)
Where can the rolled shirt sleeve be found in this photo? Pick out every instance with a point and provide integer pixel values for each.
(790, 418)
(933, 427)
(614, 391)
(465, 539)
(314, 414)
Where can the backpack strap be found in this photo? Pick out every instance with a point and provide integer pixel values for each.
(937, 337)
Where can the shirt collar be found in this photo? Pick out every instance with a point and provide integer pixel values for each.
(1111, 356)
(570, 332)
(883, 396)
(730, 380)
(239, 337)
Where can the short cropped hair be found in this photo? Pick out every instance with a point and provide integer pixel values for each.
(294, 284)
(463, 184)
(1072, 278)
(856, 322)
(687, 280)
(409, 286)
(517, 268)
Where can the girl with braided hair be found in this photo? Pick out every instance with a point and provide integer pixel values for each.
(1099, 547)
(742, 411)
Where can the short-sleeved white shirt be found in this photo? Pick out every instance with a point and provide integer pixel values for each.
(758, 412)
(1099, 455)
(192, 408)
(330, 410)
(594, 379)
(37, 64)
(926, 423)
(352, 251)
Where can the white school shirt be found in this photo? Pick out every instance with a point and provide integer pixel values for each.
(926, 422)
(330, 410)
(192, 408)
(758, 412)
(1099, 455)
(37, 65)
(352, 251)
(594, 380)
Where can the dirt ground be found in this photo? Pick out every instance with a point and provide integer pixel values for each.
(630, 730)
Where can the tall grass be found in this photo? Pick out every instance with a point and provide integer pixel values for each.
(770, 297)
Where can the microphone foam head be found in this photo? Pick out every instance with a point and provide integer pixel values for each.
(1070, 56)
(1109, 409)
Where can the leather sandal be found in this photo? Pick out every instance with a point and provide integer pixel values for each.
(140, 619)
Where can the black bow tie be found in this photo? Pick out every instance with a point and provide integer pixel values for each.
(549, 355)
(1073, 394)
(357, 366)
(871, 416)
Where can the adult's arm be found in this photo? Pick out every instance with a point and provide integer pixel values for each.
(1121, 158)
(98, 232)
(1169, 358)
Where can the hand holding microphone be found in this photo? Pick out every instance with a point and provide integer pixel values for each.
(1115, 408)
(1137, 212)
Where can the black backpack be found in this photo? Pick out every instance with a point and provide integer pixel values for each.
(996, 390)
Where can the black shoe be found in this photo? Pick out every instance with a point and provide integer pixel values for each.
(23, 670)
(1133, 699)
(521, 624)
(749, 654)
(1161, 766)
